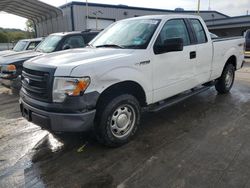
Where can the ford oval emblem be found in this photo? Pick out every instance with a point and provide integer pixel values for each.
(27, 80)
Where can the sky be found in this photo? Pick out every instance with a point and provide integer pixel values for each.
(228, 7)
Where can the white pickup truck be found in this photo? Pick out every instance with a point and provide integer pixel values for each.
(137, 64)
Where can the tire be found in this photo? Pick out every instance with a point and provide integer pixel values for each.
(117, 120)
(225, 82)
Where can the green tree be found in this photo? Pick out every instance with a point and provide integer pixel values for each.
(30, 28)
(16, 36)
(3, 37)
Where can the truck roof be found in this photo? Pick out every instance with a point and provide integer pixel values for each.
(166, 16)
(32, 40)
(76, 32)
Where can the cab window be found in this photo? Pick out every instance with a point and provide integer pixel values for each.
(199, 31)
(173, 29)
(76, 41)
(32, 45)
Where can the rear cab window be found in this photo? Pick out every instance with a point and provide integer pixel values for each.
(199, 31)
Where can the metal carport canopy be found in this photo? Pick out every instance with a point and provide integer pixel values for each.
(34, 10)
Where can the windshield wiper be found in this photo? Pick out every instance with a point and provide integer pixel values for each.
(110, 46)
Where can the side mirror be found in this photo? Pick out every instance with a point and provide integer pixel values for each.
(66, 47)
(170, 45)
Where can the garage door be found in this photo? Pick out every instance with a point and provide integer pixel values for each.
(101, 23)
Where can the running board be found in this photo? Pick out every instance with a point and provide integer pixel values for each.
(176, 99)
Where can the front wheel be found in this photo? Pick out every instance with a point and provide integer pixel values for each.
(225, 82)
(117, 120)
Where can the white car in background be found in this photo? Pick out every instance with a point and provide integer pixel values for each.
(22, 45)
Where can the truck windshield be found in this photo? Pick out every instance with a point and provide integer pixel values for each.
(20, 46)
(134, 34)
(49, 44)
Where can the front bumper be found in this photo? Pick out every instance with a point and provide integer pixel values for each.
(247, 56)
(58, 122)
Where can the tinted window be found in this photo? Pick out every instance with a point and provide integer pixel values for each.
(173, 29)
(32, 45)
(199, 31)
(89, 37)
(76, 41)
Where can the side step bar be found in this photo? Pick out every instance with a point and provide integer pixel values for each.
(176, 99)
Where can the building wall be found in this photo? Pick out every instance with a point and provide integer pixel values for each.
(229, 27)
(229, 32)
(74, 16)
(120, 13)
(58, 24)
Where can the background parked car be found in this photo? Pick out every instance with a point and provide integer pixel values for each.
(22, 45)
(11, 65)
(247, 46)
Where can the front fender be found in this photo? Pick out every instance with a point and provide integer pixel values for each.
(125, 73)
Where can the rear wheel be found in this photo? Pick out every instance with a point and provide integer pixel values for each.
(117, 120)
(225, 82)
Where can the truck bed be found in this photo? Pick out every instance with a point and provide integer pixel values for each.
(222, 50)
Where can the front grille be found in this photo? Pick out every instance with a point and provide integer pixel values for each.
(37, 84)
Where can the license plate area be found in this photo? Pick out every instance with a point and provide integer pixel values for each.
(26, 113)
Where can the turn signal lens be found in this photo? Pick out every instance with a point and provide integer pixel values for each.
(8, 68)
(11, 68)
(80, 87)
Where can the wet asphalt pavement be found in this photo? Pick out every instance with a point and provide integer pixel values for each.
(203, 141)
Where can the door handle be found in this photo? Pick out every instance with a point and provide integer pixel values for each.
(192, 55)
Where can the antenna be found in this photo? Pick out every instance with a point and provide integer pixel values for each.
(198, 8)
(209, 5)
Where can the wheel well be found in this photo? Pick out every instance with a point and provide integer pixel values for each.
(232, 60)
(126, 87)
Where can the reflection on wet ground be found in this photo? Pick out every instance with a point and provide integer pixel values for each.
(201, 142)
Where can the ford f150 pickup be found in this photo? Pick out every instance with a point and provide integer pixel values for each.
(137, 64)
(11, 64)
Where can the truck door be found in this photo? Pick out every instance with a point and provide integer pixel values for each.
(173, 72)
(204, 52)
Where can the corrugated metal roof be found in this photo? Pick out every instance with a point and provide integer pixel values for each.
(30, 9)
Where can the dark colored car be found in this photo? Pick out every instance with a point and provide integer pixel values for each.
(247, 48)
(11, 65)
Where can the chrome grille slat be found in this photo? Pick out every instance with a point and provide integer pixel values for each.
(36, 84)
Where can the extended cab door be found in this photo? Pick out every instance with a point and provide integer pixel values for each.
(173, 72)
(204, 52)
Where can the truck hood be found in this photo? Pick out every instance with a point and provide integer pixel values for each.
(18, 57)
(66, 61)
(7, 52)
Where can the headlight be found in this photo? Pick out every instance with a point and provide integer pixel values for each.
(7, 71)
(69, 87)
